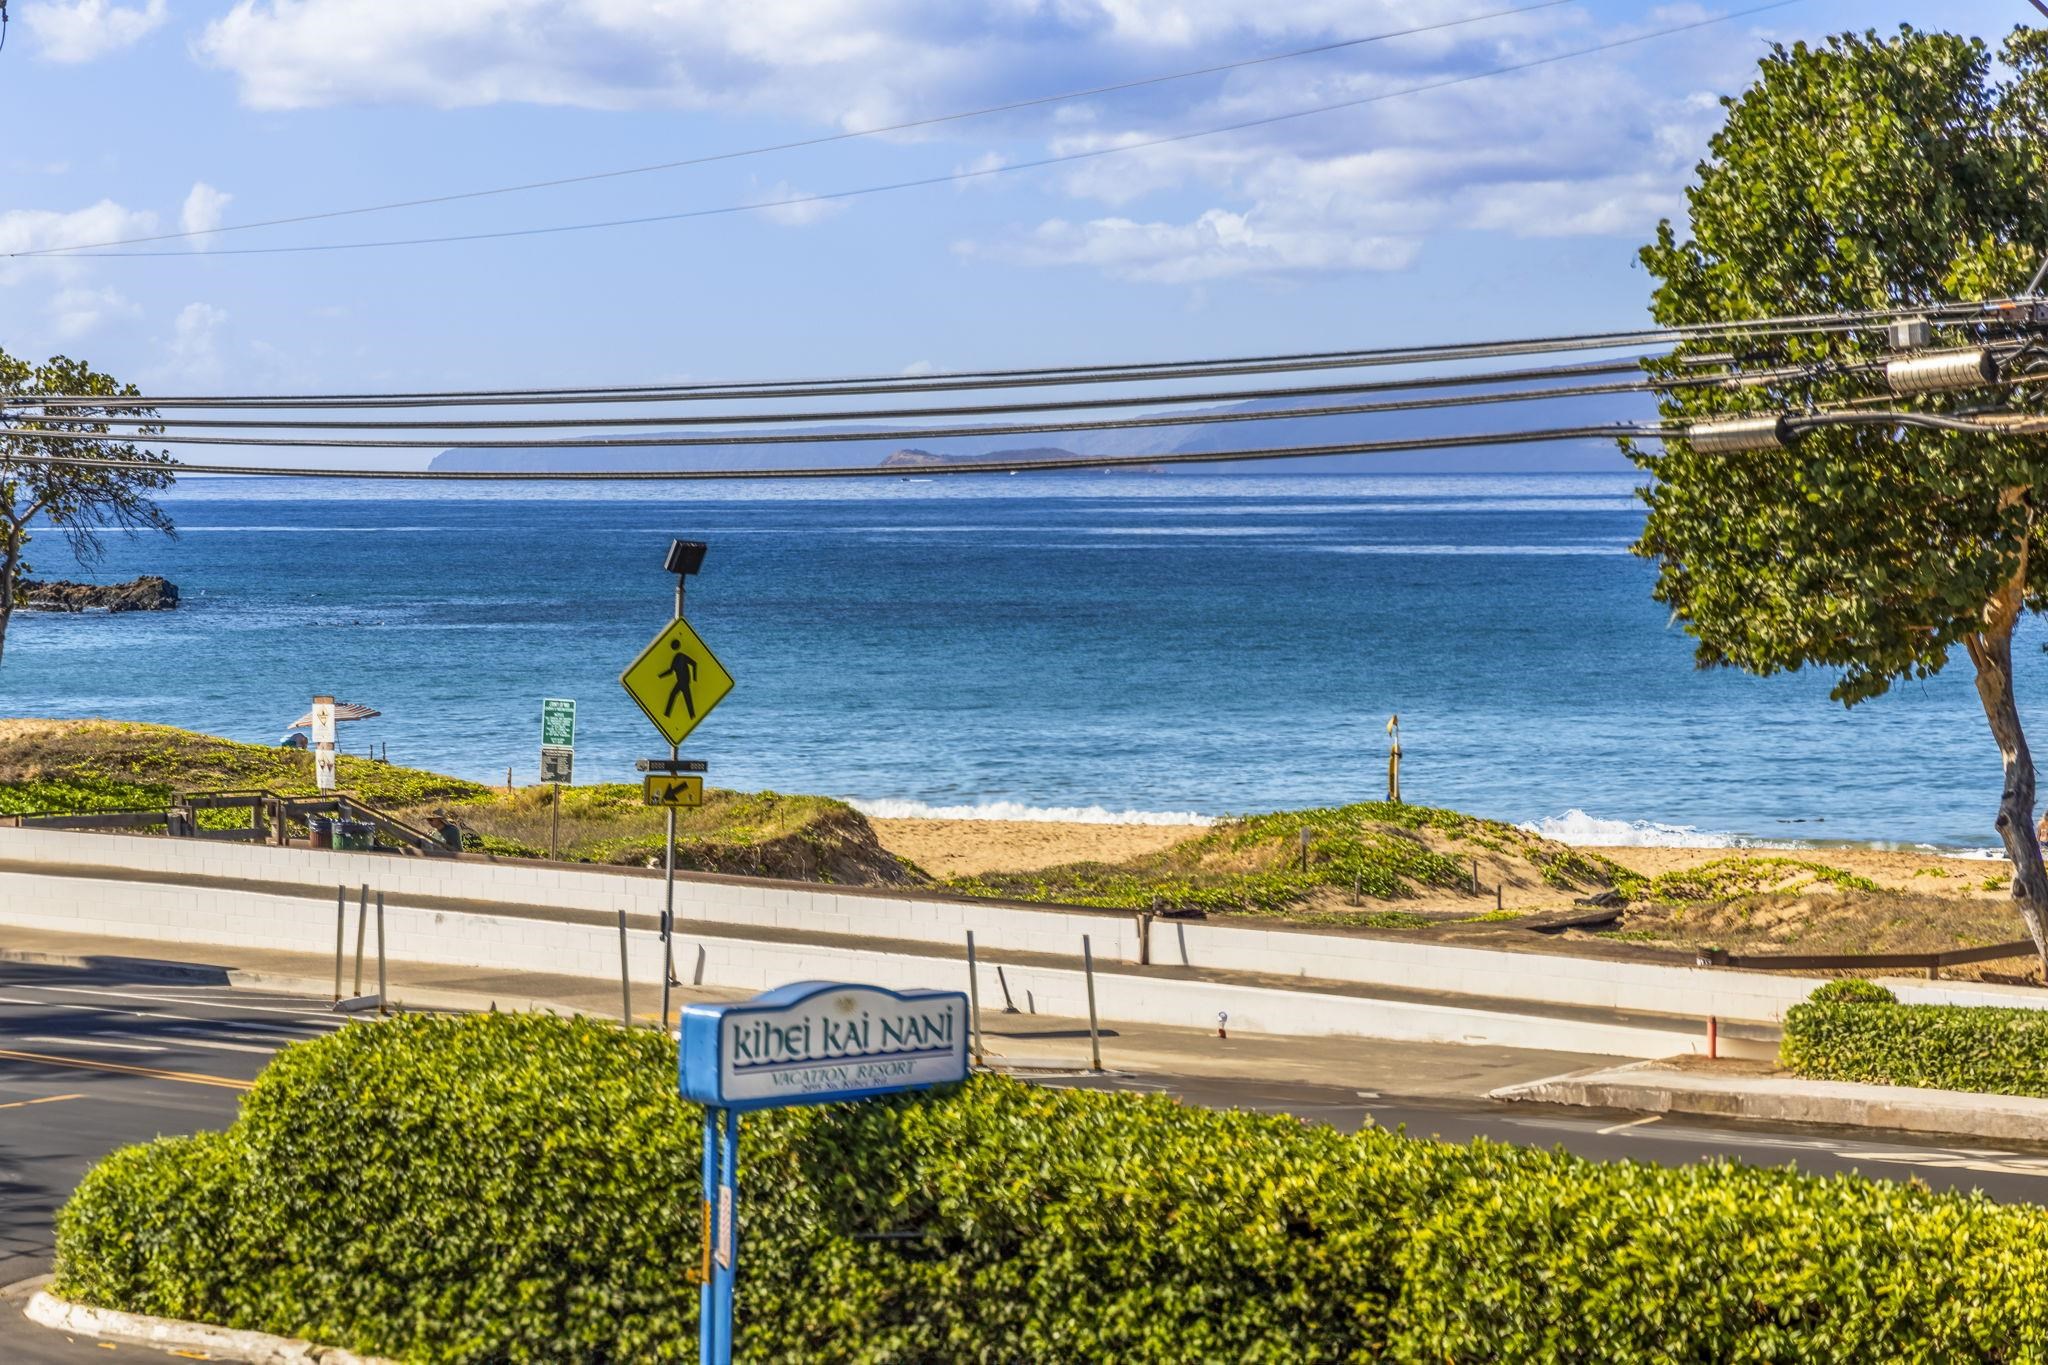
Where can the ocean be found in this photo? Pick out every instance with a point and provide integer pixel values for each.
(1072, 646)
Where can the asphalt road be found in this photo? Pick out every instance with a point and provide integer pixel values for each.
(94, 1060)
(91, 1060)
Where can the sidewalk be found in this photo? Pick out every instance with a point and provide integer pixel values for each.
(1011, 1041)
(1755, 1092)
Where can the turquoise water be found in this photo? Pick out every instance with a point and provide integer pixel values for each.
(1157, 644)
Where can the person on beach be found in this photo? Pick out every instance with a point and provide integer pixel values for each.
(685, 670)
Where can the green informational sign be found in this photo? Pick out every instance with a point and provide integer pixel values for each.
(557, 723)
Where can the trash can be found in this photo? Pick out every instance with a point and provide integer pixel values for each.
(354, 834)
(321, 829)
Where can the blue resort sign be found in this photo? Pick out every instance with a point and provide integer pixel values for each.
(812, 1042)
(818, 1042)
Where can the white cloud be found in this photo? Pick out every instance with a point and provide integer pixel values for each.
(1215, 246)
(202, 211)
(192, 354)
(1600, 144)
(74, 312)
(784, 203)
(80, 30)
(40, 229)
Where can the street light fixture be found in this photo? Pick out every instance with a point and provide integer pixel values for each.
(685, 557)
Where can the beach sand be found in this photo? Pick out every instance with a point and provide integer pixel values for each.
(1925, 874)
(962, 848)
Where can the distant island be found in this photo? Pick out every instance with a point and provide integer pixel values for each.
(843, 445)
(910, 457)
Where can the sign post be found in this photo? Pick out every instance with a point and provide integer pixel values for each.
(323, 743)
(676, 667)
(557, 758)
(811, 1042)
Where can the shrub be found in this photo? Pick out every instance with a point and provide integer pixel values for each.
(524, 1188)
(1939, 1047)
(1851, 990)
(146, 1225)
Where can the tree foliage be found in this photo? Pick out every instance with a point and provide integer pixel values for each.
(1869, 173)
(80, 504)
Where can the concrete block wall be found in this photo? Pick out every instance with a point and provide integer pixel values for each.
(202, 916)
(1551, 978)
(822, 910)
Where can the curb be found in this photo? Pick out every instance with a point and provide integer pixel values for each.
(149, 968)
(165, 969)
(255, 1348)
(1648, 1088)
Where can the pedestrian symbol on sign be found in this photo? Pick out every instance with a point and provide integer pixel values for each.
(685, 669)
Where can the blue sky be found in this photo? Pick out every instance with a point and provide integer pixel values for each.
(1503, 206)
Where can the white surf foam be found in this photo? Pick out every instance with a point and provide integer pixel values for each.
(892, 808)
(1577, 827)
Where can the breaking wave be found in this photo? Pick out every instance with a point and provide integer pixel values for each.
(891, 808)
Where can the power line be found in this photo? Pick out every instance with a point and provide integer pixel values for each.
(996, 466)
(1949, 314)
(953, 177)
(998, 430)
(1632, 365)
(801, 143)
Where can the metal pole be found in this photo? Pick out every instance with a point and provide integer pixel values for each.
(1094, 1030)
(625, 982)
(362, 921)
(340, 935)
(668, 874)
(708, 1187)
(555, 822)
(726, 1258)
(974, 997)
(383, 999)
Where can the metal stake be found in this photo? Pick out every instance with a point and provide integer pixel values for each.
(555, 823)
(974, 998)
(340, 935)
(625, 982)
(1094, 1031)
(383, 999)
(362, 921)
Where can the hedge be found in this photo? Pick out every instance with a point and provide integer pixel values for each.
(523, 1188)
(1864, 1035)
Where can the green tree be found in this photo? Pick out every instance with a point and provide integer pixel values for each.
(81, 504)
(1869, 173)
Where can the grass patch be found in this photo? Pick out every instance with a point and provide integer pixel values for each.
(1254, 865)
(94, 765)
(90, 765)
(1728, 878)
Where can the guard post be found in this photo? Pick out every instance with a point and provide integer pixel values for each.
(810, 1042)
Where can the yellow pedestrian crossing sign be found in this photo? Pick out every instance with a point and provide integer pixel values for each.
(676, 681)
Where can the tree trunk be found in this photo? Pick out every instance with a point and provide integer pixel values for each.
(10, 563)
(1991, 651)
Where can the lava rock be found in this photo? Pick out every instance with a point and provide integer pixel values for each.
(147, 593)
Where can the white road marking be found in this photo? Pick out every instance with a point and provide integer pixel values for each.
(96, 1042)
(1987, 1160)
(299, 1011)
(182, 1041)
